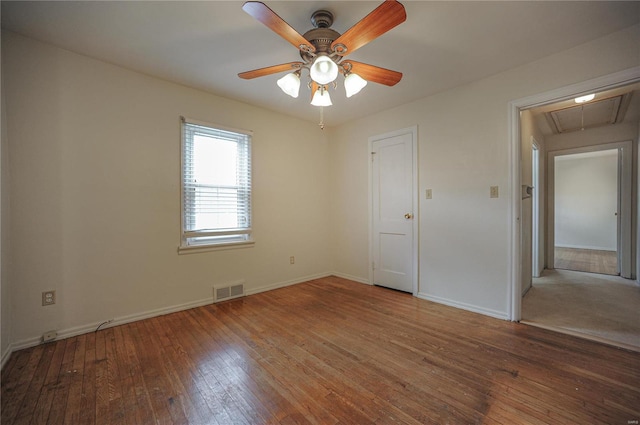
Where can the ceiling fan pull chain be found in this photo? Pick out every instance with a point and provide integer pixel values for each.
(321, 123)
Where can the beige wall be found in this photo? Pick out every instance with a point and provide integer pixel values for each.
(586, 200)
(95, 195)
(464, 149)
(94, 187)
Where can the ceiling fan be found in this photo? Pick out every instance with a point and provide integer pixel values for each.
(323, 50)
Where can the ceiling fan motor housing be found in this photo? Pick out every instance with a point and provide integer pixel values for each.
(323, 48)
(322, 19)
(321, 36)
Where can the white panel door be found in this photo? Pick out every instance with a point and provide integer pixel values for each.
(393, 212)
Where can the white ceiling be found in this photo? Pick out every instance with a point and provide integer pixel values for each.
(206, 44)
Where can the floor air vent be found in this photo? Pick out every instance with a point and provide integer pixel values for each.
(235, 290)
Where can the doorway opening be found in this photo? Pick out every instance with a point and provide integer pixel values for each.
(586, 200)
(585, 301)
(539, 250)
(590, 210)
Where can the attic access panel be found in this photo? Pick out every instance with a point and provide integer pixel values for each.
(589, 115)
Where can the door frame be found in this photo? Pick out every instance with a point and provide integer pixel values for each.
(624, 208)
(535, 205)
(413, 131)
(610, 81)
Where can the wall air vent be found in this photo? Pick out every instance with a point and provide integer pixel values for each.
(228, 291)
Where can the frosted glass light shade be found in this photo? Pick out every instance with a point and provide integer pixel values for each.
(353, 83)
(290, 84)
(584, 99)
(324, 70)
(321, 98)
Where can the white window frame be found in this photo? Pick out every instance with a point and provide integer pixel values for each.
(198, 240)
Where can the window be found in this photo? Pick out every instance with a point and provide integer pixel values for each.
(216, 186)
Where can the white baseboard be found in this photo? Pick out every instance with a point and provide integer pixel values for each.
(351, 277)
(79, 330)
(469, 307)
(279, 285)
(6, 355)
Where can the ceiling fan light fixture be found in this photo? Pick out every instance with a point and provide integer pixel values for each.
(290, 84)
(353, 83)
(324, 70)
(322, 50)
(585, 98)
(321, 98)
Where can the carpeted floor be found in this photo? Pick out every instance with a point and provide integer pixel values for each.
(601, 307)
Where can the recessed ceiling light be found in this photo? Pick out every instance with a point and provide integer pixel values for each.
(585, 98)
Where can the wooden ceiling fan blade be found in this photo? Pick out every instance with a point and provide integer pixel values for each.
(268, 17)
(291, 66)
(373, 73)
(383, 18)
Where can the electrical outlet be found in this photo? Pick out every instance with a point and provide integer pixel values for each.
(493, 192)
(428, 194)
(49, 336)
(48, 297)
(292, 260)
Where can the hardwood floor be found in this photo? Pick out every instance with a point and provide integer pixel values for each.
(586, 260)
(328, 351)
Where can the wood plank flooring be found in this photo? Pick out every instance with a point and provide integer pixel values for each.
(328, 351)
(586, 260)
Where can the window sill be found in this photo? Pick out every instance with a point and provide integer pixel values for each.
(194, 249)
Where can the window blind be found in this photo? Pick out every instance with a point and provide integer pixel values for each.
(216, 184)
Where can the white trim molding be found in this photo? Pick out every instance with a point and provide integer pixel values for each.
(279, 285)
(91, 327)
(353, 278)
(6, 355)
(464, 306)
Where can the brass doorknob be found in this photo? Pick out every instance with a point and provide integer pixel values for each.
(408, 216)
